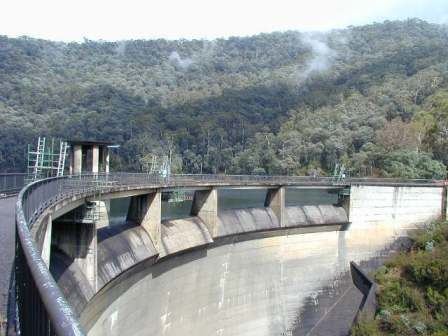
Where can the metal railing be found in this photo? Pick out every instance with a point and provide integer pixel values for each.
(42, 308)
(11, 183)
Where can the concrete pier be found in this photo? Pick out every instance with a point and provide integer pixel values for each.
(146, 210)
(95, 158)
(77, 159)
(205, 206)
(275, 199)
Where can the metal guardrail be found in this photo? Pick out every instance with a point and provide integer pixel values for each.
(11, 183)
(41, 307)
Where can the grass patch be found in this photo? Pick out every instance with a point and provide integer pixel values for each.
(413, 289)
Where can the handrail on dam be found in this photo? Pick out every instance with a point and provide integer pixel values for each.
(42, 308)
(11, 183)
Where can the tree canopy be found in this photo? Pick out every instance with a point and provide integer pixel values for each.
(374, 98)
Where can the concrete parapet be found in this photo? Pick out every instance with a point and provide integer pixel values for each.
(367, 287)
(205, 206)
(275, 199)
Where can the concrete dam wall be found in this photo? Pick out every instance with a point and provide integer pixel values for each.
(122, 247)
(237, 281)
(253, 287)
(400, 206)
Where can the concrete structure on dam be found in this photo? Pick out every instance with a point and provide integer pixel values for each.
(245, 269)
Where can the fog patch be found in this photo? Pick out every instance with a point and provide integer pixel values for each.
(120, 48)
(183, 63)
(322, 56)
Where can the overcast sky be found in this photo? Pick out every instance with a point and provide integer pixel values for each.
(72, 20)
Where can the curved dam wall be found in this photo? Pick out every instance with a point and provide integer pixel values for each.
(252, 287)
(119, 248)
(238, 282)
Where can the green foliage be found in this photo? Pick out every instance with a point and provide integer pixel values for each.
(430, 268)
(401, 298)
(365, 327)
(263, 104)
(413, 289)
(412, 165)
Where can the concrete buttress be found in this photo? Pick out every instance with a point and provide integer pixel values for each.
(79, 242)
(275, 199)
(146, 210)
(205, 206)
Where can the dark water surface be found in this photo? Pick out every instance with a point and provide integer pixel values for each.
(227, 199)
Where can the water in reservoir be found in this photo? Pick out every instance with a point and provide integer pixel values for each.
(227, 199)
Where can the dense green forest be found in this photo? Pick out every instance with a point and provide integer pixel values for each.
(374, 98)
(412, 289)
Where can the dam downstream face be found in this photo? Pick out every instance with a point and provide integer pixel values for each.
(254, 287)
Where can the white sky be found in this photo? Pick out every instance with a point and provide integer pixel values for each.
(72, 20)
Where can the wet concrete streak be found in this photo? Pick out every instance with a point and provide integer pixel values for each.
(333, 309)
(331, 312)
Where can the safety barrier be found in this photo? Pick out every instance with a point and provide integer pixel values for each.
(11, 183)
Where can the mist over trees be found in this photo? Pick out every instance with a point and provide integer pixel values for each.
(374, 98)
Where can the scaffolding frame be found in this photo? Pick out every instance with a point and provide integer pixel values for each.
(47, 160)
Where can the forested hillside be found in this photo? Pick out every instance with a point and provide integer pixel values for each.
(373, 97)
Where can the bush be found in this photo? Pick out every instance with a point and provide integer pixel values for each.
(429, 268)
(413, 289)
(365, 327)
(401, 298)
